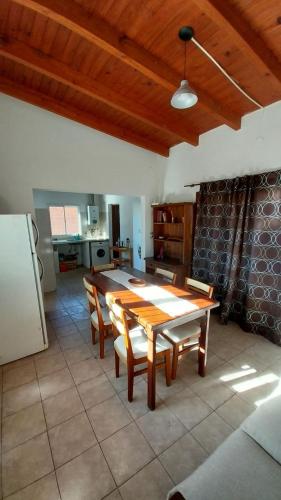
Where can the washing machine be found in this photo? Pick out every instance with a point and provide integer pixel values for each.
(100, 252)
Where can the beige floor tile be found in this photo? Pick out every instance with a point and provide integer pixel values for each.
(23, 425)
(71, 438)
(21, 397)
(66, 330)
(138, 406)
(61, 407)
(226, 352)
(188, 407)
(50, 364)
(19, 376)
(211, 432)
(235, 411)
(55, 383)
(121, 383)
(85, 370)
(108, 362)
(108, 417)
(258, 388)
(77, 354)
(85, 477)
(82, 324)
(152, 482)
(71, 341)
(26, 463)
(115, 495)
(212, 391)
(53, 349)
(44, 489)
(18, 363)
(248, 358)
(126, 452)
(161, 428)
(60, 321)
(165, 391)
(95, 391)
(182, 458)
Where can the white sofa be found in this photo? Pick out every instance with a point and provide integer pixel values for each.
(247, 466)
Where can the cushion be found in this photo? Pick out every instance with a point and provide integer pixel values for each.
(239, 469)
(183, 332)
(105, 315)
(139, 344)
(264, 426)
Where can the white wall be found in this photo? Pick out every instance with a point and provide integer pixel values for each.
(40, 150)
(226, 153)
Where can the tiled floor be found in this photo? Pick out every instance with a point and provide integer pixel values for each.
(68, 431)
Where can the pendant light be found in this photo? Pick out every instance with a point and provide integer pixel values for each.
(184, 97)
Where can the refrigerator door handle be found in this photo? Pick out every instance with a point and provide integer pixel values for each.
(36, 239)
(41, 267)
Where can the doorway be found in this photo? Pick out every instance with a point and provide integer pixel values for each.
(115, 226)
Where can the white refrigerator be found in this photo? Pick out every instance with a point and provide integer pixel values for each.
(22, 319)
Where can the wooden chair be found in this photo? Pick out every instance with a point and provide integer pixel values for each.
(102, 267)
(131, 346)
(100, 320)
(166, 275)
(186, 337)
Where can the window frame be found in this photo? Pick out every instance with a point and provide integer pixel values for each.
(63, 235)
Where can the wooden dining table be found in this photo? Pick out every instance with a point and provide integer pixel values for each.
(154, 320)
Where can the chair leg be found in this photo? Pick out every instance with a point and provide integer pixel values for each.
(102, 344)
(130, 383)
(168, 367)
(117, 364)
(93, 334)
(175, 361)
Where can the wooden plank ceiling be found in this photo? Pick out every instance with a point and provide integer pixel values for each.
(113, 65)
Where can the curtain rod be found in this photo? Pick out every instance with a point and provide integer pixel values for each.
(192, 185)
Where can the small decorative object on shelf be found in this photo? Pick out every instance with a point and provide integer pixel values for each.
(172, 238)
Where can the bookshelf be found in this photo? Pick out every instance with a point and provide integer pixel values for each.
(172, 238)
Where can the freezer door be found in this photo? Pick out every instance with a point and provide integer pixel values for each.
(22, 327)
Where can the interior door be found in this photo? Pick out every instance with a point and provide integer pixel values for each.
(115, 225)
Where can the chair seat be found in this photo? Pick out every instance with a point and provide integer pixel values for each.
(182, 333)
(139, 344)
(105, 316)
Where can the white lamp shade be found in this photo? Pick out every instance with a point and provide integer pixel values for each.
(184, 97)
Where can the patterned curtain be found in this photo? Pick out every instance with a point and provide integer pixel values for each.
(237, 249)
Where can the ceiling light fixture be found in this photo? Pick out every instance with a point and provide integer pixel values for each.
(184, 97)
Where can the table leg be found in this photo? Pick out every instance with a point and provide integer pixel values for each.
(151, 373)
(203, 344)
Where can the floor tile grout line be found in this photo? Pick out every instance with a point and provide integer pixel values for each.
(51, 451)
(97, 442)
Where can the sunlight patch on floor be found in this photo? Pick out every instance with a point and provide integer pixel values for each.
(236, 375)
(255, 382)
(274, 394)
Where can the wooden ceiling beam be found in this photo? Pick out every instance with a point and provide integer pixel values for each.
(23, 93)
(244, 37)
(50, 67)
(97, 31)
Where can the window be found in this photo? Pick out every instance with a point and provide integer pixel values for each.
(65, 220)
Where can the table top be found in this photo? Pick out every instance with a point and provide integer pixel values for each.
(146, 313)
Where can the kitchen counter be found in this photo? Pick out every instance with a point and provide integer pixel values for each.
(75, 242)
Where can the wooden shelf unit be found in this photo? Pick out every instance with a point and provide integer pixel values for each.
(172, 238)
(124, 256)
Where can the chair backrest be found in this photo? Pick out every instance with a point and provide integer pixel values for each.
(94, 305)
(119, 321)
(166, 275)
(102, 267)
(199, 287)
